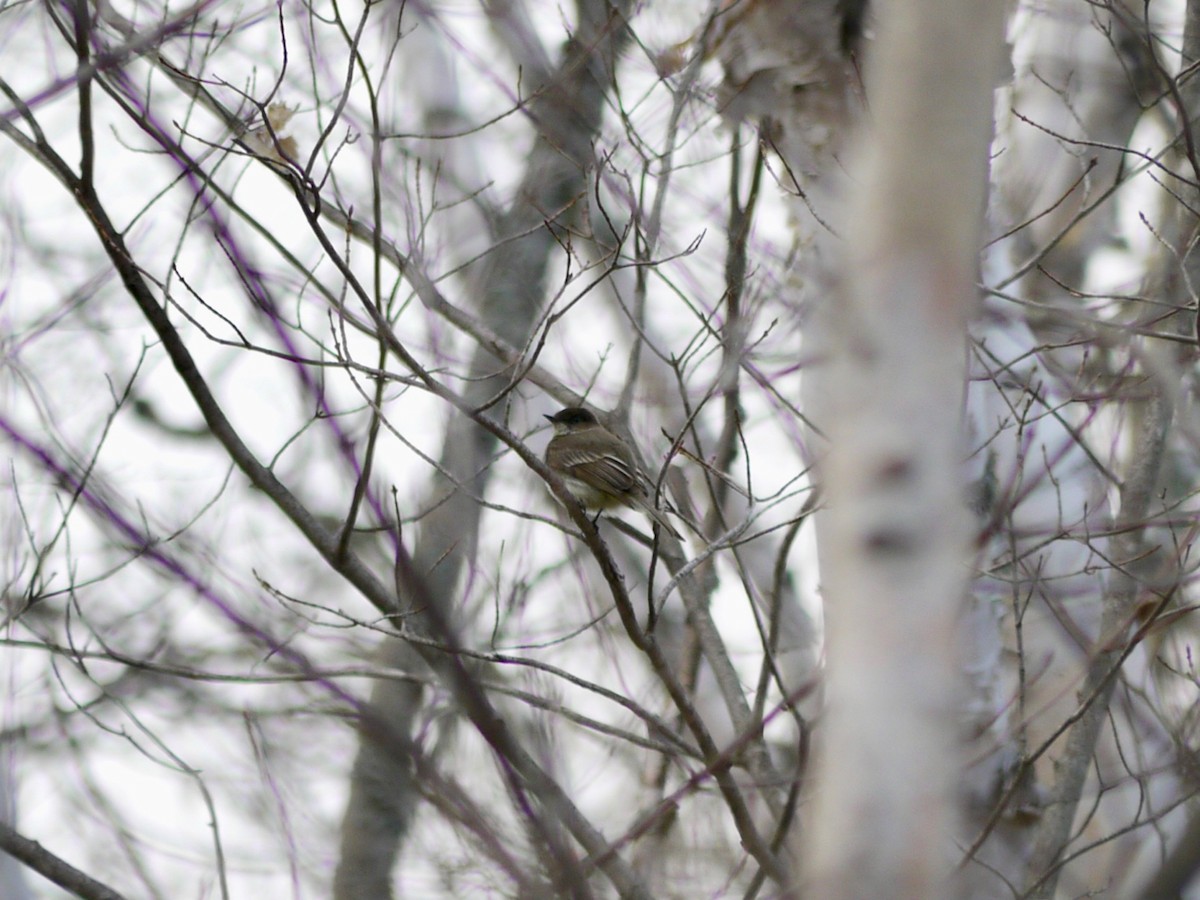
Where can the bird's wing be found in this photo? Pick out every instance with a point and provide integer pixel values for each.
(603, 471)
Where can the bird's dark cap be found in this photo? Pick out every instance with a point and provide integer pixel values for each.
(573, 415)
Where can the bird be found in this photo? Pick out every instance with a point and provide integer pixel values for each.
(598, 467)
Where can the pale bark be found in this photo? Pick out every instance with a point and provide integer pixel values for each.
(894, 545)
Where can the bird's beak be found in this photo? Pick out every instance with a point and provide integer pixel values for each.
(549, 418)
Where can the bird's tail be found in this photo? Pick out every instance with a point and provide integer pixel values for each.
(659, 517)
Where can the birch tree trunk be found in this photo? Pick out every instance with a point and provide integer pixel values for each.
(889, 391)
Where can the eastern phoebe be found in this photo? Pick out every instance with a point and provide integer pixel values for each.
(597, 466)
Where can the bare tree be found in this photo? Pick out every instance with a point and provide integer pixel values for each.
(292, 603)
